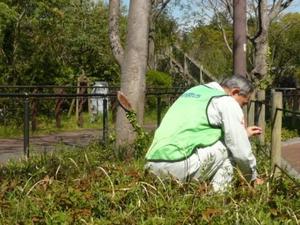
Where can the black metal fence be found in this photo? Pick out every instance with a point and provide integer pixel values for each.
(27, 103)
(291, 105)
(281, 105)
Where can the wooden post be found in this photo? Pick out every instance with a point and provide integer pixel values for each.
(89, 99)
(71, 108)
(276, 130)
(245, 112)
(77, 99)
(201, 75)
(296, 107)
(251, 109)
(261, 97)
(58, 104)
(185, 68)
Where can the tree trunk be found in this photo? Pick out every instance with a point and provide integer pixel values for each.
(239, 37)
(260, 69)
(151, 47)
(133, 67)
(260, 43)
(265, 16)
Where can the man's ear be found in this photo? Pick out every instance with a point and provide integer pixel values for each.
(234, 91)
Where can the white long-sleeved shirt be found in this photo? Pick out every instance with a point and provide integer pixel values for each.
(226, 112)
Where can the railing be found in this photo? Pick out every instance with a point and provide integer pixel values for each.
(189, 67)
(277, 106)
(159, 94)
(27, 98)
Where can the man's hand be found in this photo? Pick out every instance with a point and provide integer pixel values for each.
(253, 130)
(257, 181)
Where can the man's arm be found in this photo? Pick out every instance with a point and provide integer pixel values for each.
(231, 118)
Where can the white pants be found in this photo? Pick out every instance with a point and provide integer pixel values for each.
(206, 164)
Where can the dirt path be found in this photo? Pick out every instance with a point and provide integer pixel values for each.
(13, 148)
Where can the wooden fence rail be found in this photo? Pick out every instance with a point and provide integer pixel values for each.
(256, 115)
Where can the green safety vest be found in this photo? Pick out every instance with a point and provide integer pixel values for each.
(185, 127)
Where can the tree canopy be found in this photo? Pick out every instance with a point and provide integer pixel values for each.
(50, 42)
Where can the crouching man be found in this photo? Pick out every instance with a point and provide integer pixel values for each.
(203, 135)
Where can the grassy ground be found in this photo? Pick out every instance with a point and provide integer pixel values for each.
(47, 126)
(91, 186)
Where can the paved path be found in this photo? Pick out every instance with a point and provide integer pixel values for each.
(291, 156)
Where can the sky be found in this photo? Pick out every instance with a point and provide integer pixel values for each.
(185, 23)
(295, 6)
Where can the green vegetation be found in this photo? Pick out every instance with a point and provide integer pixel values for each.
(286, 133)
(158, 79)
(47, 126)
(91, 186)
(51, 42)
(285, 47)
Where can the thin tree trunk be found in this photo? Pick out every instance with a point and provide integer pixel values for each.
(151, 47)
(133, 63)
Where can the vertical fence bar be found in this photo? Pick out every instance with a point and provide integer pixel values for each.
(158, 110)
(261, 97)
(105, 121)
(26, 126)
(276, 130)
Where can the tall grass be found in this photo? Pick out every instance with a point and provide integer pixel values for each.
(92, 186)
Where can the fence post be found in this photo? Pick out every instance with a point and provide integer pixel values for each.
(296, 107)
(26, 126)
(105, 121)
(158, 108)
(185, 67)
(276, 130)
(251, 109)
(77, 100)
(261, 97)
(201, 75)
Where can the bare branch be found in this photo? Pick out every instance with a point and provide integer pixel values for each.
(162, 4)
(114, 14)
(263, 20)
(225, 37)
(278, 7)
(229, 6)
(220, 24)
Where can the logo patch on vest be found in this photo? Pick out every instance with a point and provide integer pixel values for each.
(191, 95)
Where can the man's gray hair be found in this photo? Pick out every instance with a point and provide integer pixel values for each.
(238, 81)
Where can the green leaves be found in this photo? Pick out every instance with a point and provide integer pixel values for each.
(205, 43)
(158, 79)
(285, 47)
(7, 17)
(142, 140)
(50, 42)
